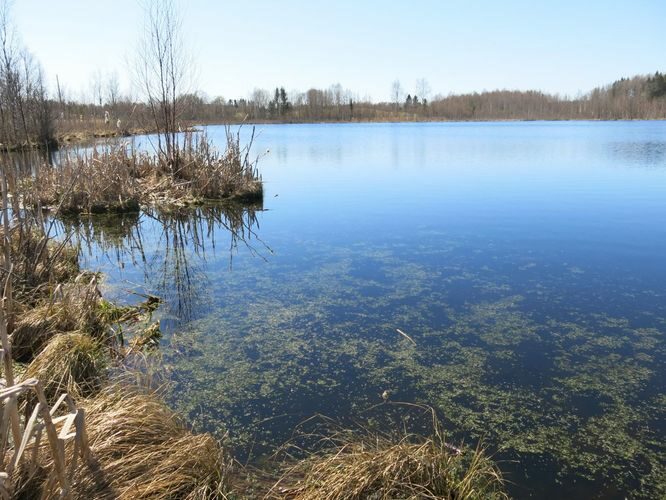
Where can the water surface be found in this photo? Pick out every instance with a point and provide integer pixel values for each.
(525, 260)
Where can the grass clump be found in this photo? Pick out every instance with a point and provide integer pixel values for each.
(72, 307)
(71, 362)
(363, 465)
(145, 452)
(37, 262)
(139, 450)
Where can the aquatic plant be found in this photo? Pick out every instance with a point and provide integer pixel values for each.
(203, 172)
(568, 401)
(102, 181)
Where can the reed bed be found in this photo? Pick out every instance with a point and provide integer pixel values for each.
(120, 179)
(230, 175)
(104, 181)
(37, 262)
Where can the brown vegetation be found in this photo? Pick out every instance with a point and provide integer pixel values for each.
(74, 363)
(140, 450)
(120, 179)
(359, 465)
(71, 307)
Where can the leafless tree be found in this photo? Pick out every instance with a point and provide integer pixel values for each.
(25, 115)
(112, 89)
(259, 99)
(336, 91)
(396, 93)
(162, 74)
(423, 89)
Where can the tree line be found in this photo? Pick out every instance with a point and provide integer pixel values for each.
(639, 97)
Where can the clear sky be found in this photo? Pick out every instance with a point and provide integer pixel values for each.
(561, 46)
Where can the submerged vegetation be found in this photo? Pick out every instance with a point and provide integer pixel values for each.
(567, 401)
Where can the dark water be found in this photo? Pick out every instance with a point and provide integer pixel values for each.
(525, 260)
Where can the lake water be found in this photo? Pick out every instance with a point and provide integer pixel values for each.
(524, 260)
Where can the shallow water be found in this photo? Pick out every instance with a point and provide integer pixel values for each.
(525, 260)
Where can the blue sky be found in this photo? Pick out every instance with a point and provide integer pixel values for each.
(458, 46)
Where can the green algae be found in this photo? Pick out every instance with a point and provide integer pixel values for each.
(305, 345)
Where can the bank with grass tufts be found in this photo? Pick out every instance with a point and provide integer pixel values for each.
(360, 464)
(66, 338)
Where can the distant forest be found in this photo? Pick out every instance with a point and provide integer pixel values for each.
(639, 97)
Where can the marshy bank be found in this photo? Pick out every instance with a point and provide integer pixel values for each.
(59, 333)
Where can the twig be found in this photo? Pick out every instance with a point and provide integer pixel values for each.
(405, 335)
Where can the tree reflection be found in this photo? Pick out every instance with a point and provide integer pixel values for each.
(169, 247)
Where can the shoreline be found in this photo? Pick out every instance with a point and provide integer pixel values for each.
(88, 137)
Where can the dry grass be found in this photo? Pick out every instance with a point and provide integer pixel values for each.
(141, 451)
(37, 261)
(363, 465)
(74, 307)
(103, 181)
(215, 175)
(74, 363)
(139, 448)
(146, 452)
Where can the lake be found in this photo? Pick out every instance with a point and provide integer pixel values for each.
(525, 261)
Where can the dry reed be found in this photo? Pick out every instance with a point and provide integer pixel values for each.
(37, 261)
(119, 178)
(103, 181)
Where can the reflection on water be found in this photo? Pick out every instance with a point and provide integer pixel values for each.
(167, 248)
(525, 260)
